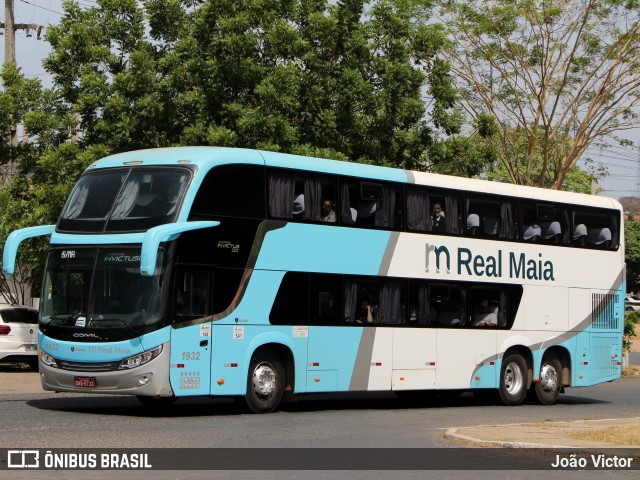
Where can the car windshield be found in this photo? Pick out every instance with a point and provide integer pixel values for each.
(124, 200)
(100, 288)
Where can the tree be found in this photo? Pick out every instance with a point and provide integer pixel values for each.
(344, 80)
(631, 206)
(46, 167)
(564, 74)
(632, 255)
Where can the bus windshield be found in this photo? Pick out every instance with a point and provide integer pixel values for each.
(100, 288)
(124, 200)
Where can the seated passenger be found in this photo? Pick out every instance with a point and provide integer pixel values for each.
(366, 314)
(438, 222)
(485, 314)
(327, 214)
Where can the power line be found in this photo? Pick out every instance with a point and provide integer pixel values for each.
(43, 8)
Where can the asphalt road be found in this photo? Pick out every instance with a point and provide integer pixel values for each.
(45, 420)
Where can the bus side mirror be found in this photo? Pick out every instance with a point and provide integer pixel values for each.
(15, 239)
(162, 233)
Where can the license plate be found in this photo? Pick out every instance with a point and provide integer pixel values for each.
(31, 347)
(84, 381)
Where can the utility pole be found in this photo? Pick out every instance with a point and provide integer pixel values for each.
(10, 28)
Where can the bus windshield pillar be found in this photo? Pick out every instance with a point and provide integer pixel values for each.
(162, 233)
(15, 239)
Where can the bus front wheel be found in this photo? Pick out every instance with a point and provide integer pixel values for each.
(513, 379)
(265, 382)
(547, 388)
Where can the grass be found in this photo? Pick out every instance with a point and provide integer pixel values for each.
(622, 435)
(632, 371)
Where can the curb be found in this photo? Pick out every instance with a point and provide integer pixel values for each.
(453, 433)
(456, 433)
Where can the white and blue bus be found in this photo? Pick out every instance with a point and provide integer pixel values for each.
(229, 272)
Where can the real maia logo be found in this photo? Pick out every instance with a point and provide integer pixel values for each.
(515, 265)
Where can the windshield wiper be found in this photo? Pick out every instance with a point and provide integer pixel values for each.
(100, 320)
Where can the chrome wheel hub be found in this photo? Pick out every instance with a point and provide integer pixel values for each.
(548, 378)
(264, 380)
(513, 380)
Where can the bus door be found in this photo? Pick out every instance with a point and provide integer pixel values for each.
(190, 336)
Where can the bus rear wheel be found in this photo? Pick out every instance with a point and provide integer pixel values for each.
(546, 390)
(513, 379)
(265, 382)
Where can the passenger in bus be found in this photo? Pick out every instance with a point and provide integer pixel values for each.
(367, 312)
(485, 314)
(438, 222)
(327, 213)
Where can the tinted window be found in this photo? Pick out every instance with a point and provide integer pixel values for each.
(325, 299)
(226, 282)
(191, 293)
(232, 190)
(370, 205)
(124, 200)
(19, 315)
(447, 305)
(545, 223)
(374, 301)
(595, 228)
(91, 200)
(147, 199)
(491, 217)
(291, 304)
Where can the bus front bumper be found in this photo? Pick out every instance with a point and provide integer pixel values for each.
(150, 379)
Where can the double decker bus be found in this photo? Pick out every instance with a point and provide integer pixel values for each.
(229, 272)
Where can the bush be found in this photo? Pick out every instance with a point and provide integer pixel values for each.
(630, 320)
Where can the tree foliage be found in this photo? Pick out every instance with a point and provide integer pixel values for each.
(631, 205)
(350, 80)
(563, 74)
(346, 79)
(632, 255)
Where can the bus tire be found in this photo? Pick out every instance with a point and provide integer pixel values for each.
(513, 379)
(546, 390)
(265, 382)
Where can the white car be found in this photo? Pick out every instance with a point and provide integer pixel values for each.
(19, 335)
(631, 303)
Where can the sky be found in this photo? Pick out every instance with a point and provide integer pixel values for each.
(622, 163)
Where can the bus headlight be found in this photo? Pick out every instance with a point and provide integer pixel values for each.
(140, 359)
(48, 359)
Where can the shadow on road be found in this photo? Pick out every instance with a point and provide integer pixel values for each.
(14, 367)
(205, 406)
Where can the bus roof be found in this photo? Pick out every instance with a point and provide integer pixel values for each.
(207, 157)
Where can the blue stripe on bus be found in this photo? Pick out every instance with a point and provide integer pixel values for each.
(300, 247)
